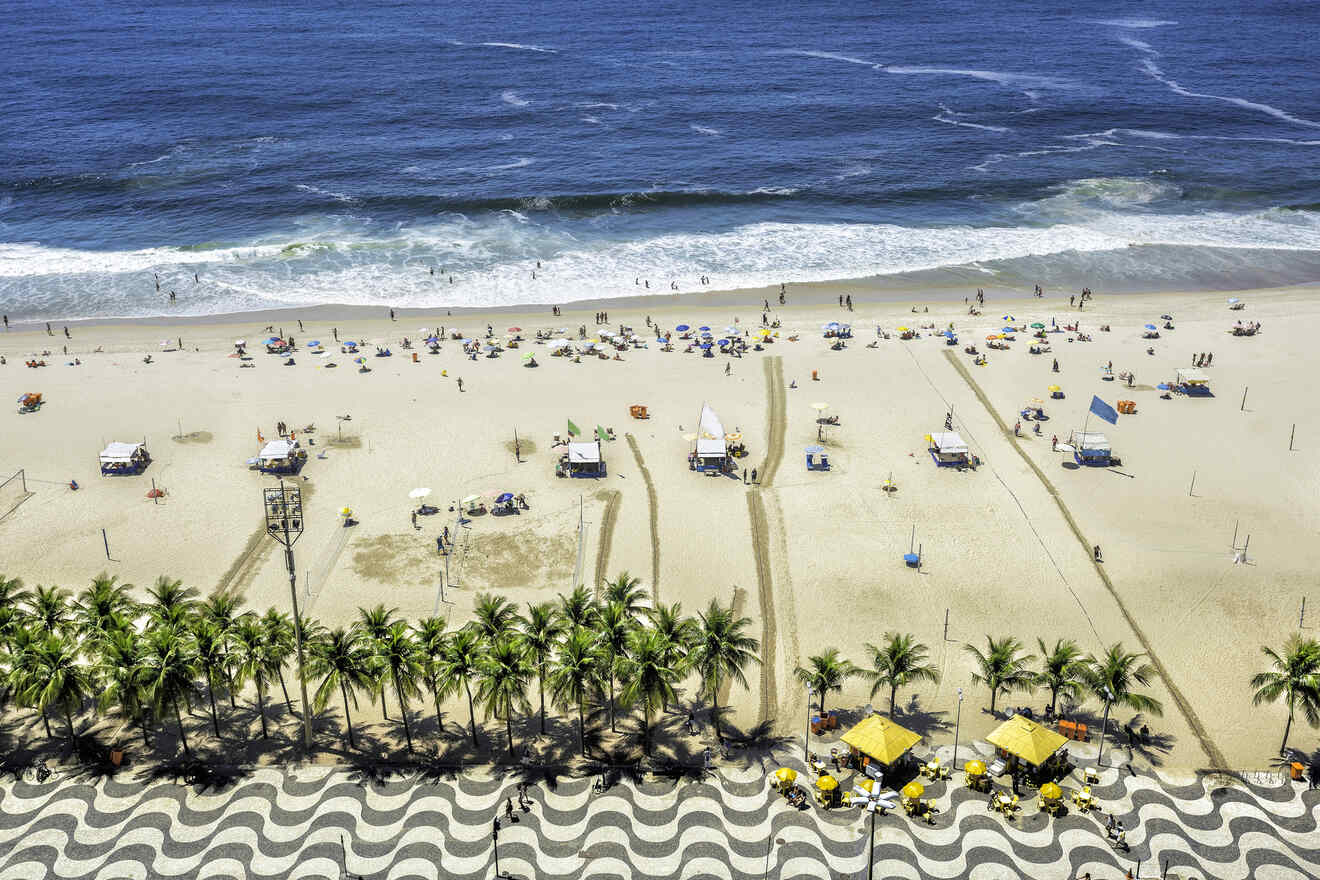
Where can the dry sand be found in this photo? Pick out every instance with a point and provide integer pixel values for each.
(814, 559)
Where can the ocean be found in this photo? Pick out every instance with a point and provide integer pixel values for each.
(367, 153)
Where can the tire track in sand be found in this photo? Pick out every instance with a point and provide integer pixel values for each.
(760, 525)
(1185, 708)
(654, 505)
(611, 497)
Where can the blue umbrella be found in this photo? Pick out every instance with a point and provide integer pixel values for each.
(707, 334)
(273, 340)
(1008, 318)
(724, 342)
(705, 345)
(948, 333)
(682, 327)
(1009, 330)
(507, 496)
(832, 325)
(433, 339)
(703, 329)
(314, 343)
(491, 347)
(911, 558)
(1150, 326)
(815, 450)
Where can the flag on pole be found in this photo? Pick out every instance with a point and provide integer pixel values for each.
(1103, 410)
(573, 430)
(601, 434)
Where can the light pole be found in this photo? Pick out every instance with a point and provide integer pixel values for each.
(495, 842)
(870, 857)
(806, 740)
(284, 523)
(770, 844)
(957, 720)
(1104, 725)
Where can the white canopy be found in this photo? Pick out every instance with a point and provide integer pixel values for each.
(1192, 376)
(710, 434)
(949, 443)
(276, 449)
(117, 453)
(587, 452)
(1090, 440)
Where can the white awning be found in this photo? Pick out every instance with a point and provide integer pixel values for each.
(117, 453)
(1192, 376)
(584, 453)
(948, 443)
(710, 448)
(276, 449)
(1090, 440)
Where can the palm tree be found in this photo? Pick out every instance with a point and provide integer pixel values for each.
(612, 627)
(493, 616)
(398, 659)
(627, 591)
(541, 630)
(899, 662)
(49, 610)
(224, 610)
(58, 679)
(343, 663)
(172, 604)
(1294, 677)
(13, 618)
(1119, 672)
(826, 672)
(250, 646)
(679, 633)
(575, 676)
(1002, 668)
(210, 647)
(648, 679)
(505, 676)
(103, 607)
(577, 609)
(374, 624)
(1061, 669)
(171, 672)
(460, 664)
(122, 672)
(721, 651)
(431, 638)
(280, 646)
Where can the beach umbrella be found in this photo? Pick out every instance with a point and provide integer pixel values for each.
(240, 342)
(902, 329)
(911, 558)
(489, 347)
(993, 336)
(733, 330)
(1150, 326)
(764, 331)
(1064, 447)
(703, 329)
(786, 774)
(1051, 791)
(359, 360)
(1038, 325)
(705, 345)
(827, 783)
(1233, 299)
(345, 511)
(1010, 329)
(734, 437)
(820, 406)
(975, 767)
(323, 354)
(314, 343)
(913, 789)
(949, 334)
(1166, 317)
(515, 329)
(273, 340)
(682, 327)
(1008, 318)
(419, 493)
(504, 497)
(724, 342)
(1054, 388)
(815, 450)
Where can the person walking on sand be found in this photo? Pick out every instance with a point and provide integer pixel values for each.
(48, 333)
(728, 368)
(460, 383)
(6, 322)
(392, 314)
(753, 475)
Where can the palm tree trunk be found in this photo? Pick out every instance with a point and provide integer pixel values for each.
(284, 688)
(612, 727)
(508, 726)
(403, 710)
(893, 699)
(142, 725)
(715, 708)
(1286, 729)
(348, 721)
(1054, 698)
(994, 692)
(68, 716)
(435, 693)
(472, 716)
(229, 681)
(183, 736)
(261, 707)
(582, 731)
(215, 716)
(646, 730)
(46, 721)
(540, 686)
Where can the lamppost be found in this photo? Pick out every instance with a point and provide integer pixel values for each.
(770, 844)
(1104, 726)
(284, 523)
(806, 740)
(870, 857)
(957, 720)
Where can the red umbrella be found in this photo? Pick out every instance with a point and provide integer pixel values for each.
(515, 329)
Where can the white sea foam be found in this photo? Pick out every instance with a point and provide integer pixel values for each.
(594, 105)
(1154, 72)
(1140, 45)
(947, 116)
(1137, 23)
(523, 46)
(704, 129)
(339, 197)
(1149, 134)
(513, 99)
(591, 120)
(1011, 80)
(830, 56)
(520, 162)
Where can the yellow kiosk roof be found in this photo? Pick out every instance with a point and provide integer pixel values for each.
(1026, 739)
(881, 739)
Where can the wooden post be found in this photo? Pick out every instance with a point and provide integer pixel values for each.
(154, 498)
(1193, 485)
(107, 544)
(1292, 436)
(1235, 531)
(1243, 407)
(913, 540)
(946, 621)
(1301, 619)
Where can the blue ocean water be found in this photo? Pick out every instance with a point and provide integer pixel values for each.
(339, 153)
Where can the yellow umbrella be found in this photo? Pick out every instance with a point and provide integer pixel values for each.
(734, 437)
(902, 329)
(786, 774)
(867, 784)
(1050, 791)
(346, 512)
(764, 331)
(827, 783)
(1054, 388)
(913, 789)
(975, 768)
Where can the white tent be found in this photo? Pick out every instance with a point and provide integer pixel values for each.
(276, 449)
(1090, 441)
(1192, 376)
(710, 435)
(586, 452)
(119, 453)
(948, 443)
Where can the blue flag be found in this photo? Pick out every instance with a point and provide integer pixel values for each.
(1104, 411)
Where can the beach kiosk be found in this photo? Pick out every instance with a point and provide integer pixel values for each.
(711, 453)
(281, 456)
(120, 459)
(1091, 448)
(583, 459)
(1194, 382)
(948, 449)
(1024, 744)
(878, 744)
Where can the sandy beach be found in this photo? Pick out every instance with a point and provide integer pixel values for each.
(814, 558)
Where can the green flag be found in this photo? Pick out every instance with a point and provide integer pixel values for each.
(573, 430)
(601, 435)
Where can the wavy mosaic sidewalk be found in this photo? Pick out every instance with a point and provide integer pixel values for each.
(275, 823)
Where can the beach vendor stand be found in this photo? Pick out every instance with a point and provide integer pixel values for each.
(119, 459)
(1090, 448)
(1026, 746)
(947, 449)
(827, 791)
(583, 459)
(281, 456)
(878, 745)
(1193, 382)
(29, 402)
(711, 454)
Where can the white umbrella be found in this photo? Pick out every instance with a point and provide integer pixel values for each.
(240, 342)
(1064, 447)
(820, 407)
(419, 493)
(471, 498)
(324, 354)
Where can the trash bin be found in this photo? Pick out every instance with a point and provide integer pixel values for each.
(1298, 771)
(116, 756)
